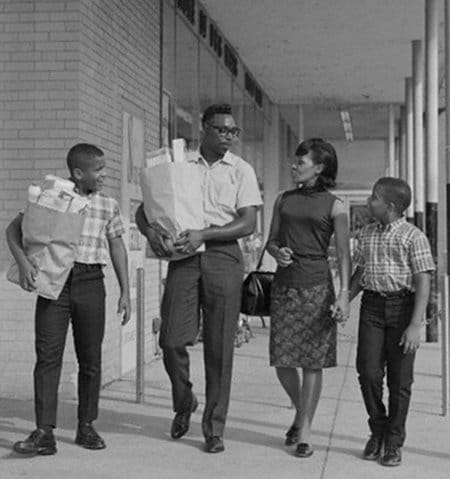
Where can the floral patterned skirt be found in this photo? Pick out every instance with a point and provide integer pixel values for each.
(302, 331)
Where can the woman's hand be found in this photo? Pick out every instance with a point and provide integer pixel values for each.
(284, 256)
(340, 310)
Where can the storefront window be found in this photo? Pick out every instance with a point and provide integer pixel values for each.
(208, 78)
(186, 80)
(224, 86)
(168, 74)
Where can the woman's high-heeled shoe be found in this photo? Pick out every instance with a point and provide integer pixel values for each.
(304, 450)
(292, 435)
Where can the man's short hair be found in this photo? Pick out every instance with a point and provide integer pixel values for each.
(218, 109)
(80, 155)
(395, 191)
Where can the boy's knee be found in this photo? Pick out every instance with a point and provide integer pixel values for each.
(370, 376)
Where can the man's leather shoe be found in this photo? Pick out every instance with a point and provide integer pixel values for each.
(182, 420)
(88, 437)
(292, 435)
(372, 450)
(392, 456)
(38, 442)
(214, 444)
(304, 450)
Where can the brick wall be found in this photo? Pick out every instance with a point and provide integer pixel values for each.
(65, 67)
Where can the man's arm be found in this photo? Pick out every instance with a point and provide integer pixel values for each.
(243, 225)
(410, 339)
(119, 260)
(156, 235)
(27, 272)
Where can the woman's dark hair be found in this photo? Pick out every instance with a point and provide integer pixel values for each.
(324, 154)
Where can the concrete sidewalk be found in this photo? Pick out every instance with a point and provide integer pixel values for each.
(139, 445)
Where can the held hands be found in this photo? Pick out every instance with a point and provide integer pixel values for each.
(284, 256)
(188, 241)
(124, 308)
(27, 275)
(340, 310)
(410, 339)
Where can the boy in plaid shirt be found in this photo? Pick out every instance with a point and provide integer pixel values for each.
(82, 301)
(393, 264)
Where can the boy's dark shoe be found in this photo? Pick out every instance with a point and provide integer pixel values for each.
(38, 442)
(392, 456)
(214, 444)
(182, 420)
(373, 447)
(88, 437)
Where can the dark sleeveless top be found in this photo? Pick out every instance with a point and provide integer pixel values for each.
(306, 226)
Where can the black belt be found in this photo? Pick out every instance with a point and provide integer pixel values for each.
(87, 266)
(390, 294)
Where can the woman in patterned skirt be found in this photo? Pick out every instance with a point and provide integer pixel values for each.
(304, 308)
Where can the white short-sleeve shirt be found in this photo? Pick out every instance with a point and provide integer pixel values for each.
(228, 185)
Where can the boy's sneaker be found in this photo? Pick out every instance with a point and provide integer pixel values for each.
(88, 437)
(392, 456)
(373, 447)
(38, 442)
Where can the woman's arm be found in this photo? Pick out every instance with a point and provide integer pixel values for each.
(341, 231)
(282, 254)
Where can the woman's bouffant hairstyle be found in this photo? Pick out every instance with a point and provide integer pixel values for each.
(324, 154)
(395, 191)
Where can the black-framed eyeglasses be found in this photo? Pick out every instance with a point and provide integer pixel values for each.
(234, 131)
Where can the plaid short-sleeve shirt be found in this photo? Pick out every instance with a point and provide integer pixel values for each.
(390, 255)
(103, 221)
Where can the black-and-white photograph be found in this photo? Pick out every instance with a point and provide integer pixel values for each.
(225, 231)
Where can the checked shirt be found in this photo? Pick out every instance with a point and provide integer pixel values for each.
(390, 255)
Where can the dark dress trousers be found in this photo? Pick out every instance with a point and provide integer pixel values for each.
(210, 283)
(82, 301)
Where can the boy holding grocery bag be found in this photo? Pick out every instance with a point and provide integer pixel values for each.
(82, 296)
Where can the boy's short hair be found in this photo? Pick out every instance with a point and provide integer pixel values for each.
(217, 109)
(395, 191)
(80, 155)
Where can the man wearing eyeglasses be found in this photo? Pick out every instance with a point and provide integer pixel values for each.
(209, 281)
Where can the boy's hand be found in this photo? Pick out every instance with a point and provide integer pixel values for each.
(27, 275)
(284, 256)
(124, 308)
(410, 339)
(188, 241)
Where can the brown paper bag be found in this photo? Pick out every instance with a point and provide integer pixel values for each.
(50, 240)
(173, 197)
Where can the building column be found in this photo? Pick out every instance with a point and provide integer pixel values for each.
(432, 154)
(301, 124)
(419, 170)
(409, 149)
(391, 158)
(402, 143)
(445, 323)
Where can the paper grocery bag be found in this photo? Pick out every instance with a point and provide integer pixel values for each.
(50, 239)
(173, 197)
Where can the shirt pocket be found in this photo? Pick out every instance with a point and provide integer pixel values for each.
(225, 194)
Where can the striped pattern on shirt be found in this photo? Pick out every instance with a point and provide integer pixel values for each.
(390, 255)
(103, 222)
